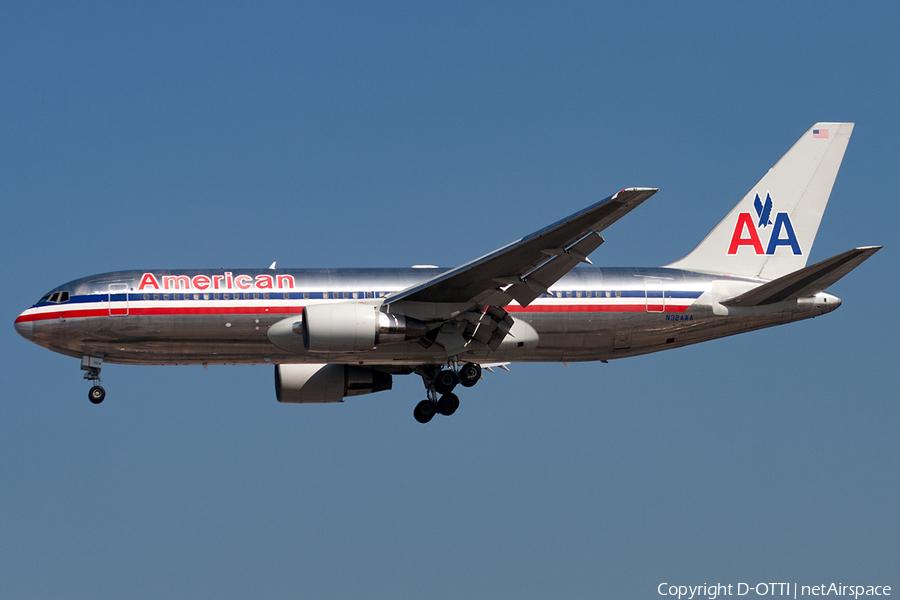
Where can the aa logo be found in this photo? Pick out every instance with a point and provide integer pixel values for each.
(747, 230)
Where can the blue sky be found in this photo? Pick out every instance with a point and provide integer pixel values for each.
(159, 135)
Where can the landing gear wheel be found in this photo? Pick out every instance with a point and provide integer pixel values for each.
(445, 382)
(469, 374)
(424, 411)
(448, 404)
(96, 395)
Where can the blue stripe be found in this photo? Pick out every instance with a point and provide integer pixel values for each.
(585, 294)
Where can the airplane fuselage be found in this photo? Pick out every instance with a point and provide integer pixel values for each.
(224, 316)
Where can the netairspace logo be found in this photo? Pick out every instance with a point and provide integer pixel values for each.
(746, 231)
(771, 589)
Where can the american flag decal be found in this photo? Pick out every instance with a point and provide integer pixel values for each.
(820, 133)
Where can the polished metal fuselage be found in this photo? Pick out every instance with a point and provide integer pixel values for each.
(222, 317)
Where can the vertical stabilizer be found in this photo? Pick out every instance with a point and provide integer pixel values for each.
(772, 229)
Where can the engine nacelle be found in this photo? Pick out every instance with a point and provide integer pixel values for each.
(353, 327)
(309, 384)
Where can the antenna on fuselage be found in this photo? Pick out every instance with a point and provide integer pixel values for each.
(272, 266)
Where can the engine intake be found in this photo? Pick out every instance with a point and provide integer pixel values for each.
(313, 384)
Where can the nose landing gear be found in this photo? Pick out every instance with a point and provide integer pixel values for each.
(92, 365)
(442, 381)
(96, 395)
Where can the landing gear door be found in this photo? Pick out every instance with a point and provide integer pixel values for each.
(118, 299)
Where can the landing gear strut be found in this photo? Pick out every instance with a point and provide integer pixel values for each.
(442, 381)
(92, 365)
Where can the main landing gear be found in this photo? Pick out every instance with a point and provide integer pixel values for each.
(92, 365)
(443, 381)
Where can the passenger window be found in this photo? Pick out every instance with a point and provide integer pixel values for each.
(578, 294)
(618, 294)
(256, 295)
(306, 294)
(266, 295)
(286, 296)
(165, 296)
(206, 296)
(146, 296)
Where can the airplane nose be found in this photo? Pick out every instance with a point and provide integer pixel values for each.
(25, 329)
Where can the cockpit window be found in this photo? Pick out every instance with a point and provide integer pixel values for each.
(55, 297)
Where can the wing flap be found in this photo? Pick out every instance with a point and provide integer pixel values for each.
(561, 261)
(804, 282)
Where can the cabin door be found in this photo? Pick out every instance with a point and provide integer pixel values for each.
(118, 299)
(656, 301)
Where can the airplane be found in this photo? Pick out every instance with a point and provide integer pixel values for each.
(336, 333)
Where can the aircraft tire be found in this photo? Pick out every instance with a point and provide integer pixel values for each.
(96, 394)
(424, 411)
(448, 404)
(445, 382)
(469, 374)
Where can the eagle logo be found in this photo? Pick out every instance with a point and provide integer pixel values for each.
(763, 211)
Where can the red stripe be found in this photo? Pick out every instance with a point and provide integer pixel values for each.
(296, 310)
(595, 308)
(224, 310)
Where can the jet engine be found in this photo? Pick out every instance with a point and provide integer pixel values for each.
(353, 327)
(327, 383)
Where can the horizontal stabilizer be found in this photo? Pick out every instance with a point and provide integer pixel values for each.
(804, 282)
